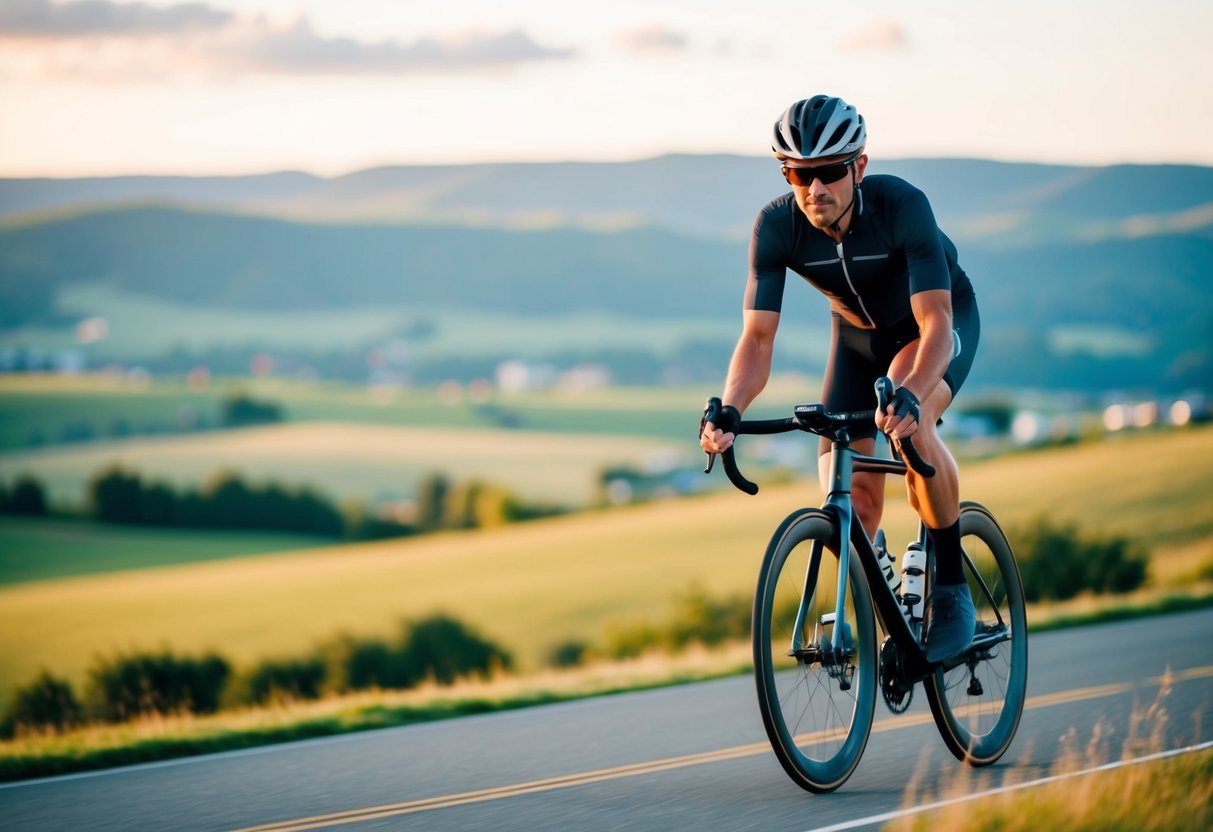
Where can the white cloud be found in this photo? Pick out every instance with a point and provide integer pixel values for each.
(102, 18)
(101, 39)
(298, 49)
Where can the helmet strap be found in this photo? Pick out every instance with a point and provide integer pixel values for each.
(850, 205)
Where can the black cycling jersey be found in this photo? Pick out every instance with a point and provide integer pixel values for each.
(892, 249)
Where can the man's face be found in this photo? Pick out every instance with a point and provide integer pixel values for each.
(823, 203)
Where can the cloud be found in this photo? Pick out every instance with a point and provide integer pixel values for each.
(298, 49)
(654, 38)
(83, 38)
(101, 18)
(881, 36)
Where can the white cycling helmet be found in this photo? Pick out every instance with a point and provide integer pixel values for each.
(817, 127)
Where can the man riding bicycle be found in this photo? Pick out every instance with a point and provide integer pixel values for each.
(900, 305)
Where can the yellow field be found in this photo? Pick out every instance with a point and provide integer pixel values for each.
(348, 460)
(535, 585)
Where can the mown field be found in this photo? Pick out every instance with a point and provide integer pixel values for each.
(352, 442)
(533, 586)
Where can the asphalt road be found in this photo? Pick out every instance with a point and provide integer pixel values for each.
(692, 757)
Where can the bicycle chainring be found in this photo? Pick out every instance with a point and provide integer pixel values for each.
(896, 693)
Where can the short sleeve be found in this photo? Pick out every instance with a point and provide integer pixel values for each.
(768, 264)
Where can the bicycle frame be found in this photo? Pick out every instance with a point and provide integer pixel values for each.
(844, 462)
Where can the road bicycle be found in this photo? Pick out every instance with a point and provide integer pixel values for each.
(816, 660)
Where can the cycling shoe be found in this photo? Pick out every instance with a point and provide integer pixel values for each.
(952, 617)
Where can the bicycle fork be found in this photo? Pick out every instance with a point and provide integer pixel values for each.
(833, 644)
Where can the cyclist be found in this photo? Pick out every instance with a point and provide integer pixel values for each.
(900, 306)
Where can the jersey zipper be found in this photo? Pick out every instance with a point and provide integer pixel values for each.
(842, 258)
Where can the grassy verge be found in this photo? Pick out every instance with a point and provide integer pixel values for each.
(1169, 795)
(161, 738)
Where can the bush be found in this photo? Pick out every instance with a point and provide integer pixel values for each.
(709, 621)
(632, 641)
(441, 648)
(115, 495)
(1056, 563)
(363, 663)
(569, 654)
(279, 680)
(47, 703)
(241, 410)
(123, 687)
(27, 497)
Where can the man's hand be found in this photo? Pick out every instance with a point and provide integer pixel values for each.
(900, 418)
(718, 430)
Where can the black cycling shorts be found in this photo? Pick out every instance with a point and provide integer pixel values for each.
(860, 356)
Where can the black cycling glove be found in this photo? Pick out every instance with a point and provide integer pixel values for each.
(724, 416)
(905, 402)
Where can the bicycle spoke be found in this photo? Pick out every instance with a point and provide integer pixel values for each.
(816, 703)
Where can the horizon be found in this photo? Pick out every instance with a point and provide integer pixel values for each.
(169, 174)
(238, 87)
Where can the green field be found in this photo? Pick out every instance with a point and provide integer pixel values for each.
(142, 327)
(47, 406)
(35, 549)
(533, 586)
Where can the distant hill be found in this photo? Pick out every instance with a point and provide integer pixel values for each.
(1090, 278)
(704, 196)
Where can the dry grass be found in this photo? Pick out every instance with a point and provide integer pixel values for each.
(158, 737)
(1083, 793)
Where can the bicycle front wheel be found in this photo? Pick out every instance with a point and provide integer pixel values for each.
(816, 677)
(977, 700)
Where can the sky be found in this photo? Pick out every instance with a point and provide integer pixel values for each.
(106, 87)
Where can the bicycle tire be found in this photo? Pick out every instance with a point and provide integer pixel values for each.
(817, 729)
(978, 720)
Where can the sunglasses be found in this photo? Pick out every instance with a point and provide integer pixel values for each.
(827, 174)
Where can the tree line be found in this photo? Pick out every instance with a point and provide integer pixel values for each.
(227, 501)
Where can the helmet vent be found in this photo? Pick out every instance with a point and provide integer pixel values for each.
(838, 135)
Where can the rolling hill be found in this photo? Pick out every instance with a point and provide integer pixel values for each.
(1089, 278)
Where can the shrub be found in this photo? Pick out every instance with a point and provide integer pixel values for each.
(568, 654)
(47, 703)
(362, 663)
(123, 687)
(115, 495)
(632, 641)
(701, 619)
(27, 497)
(277, 680)
(1057, 563)
(241, 410)
(441, 648)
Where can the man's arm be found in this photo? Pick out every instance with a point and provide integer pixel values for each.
(933, 311)
(749, 370)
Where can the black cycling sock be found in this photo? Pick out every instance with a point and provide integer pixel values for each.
(945, 543)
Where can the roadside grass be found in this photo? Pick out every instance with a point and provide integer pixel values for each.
(153, 738)
(1149, 789)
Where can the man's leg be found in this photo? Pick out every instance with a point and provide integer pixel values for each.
(937, 501)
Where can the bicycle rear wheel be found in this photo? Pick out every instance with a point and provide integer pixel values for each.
(816, 701)
(977, 702)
